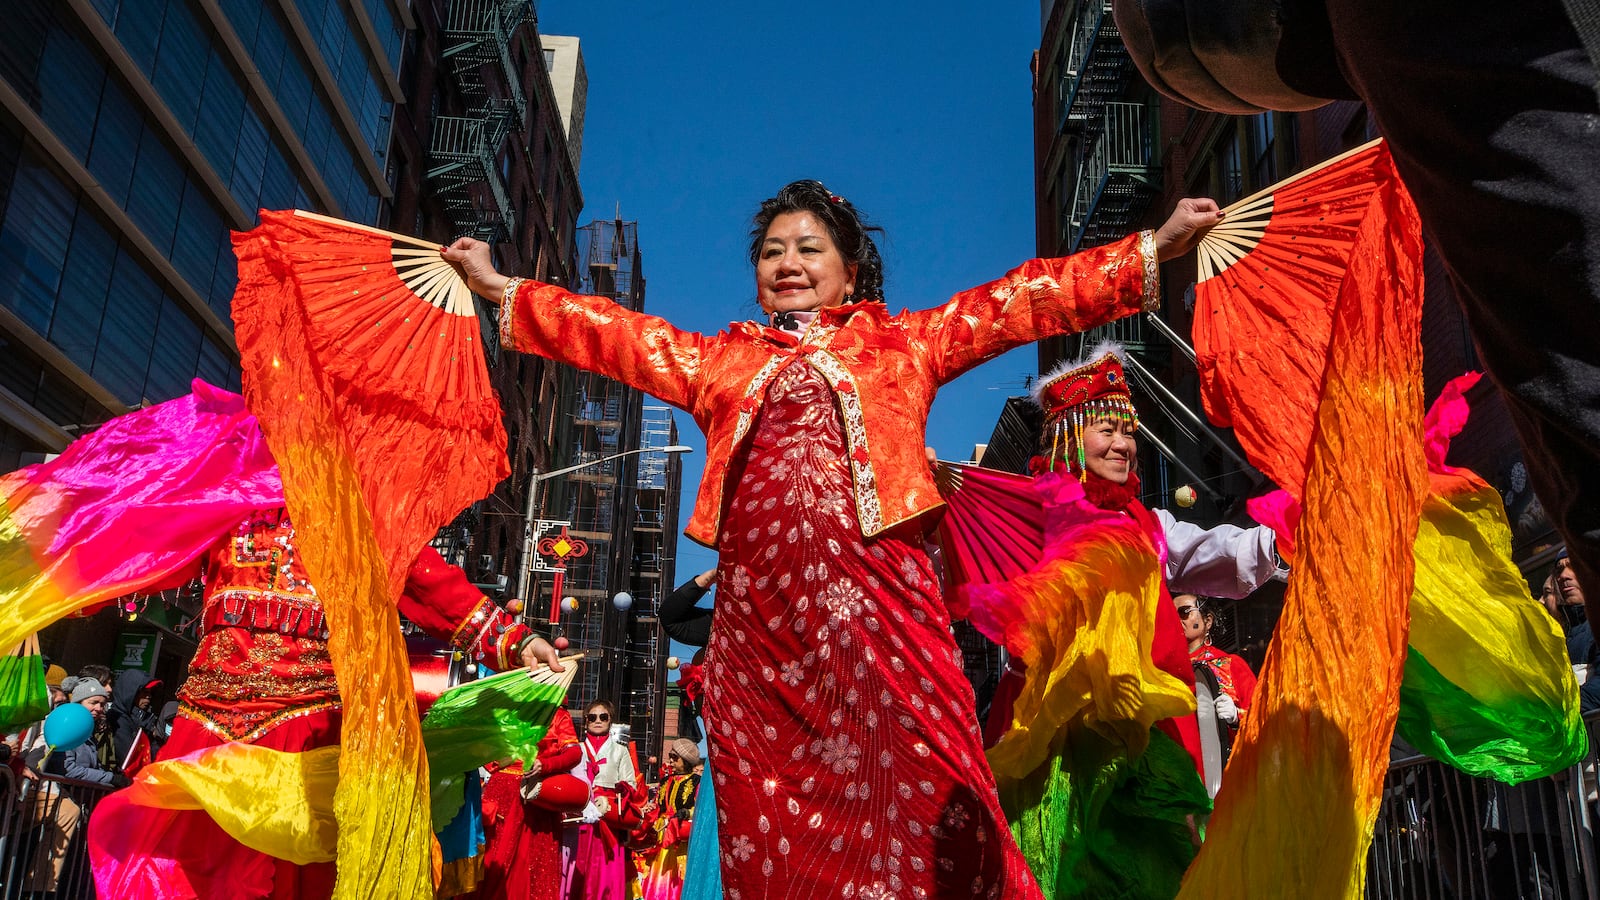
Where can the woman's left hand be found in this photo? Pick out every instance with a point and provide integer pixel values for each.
(472, 257)
(1186, 226)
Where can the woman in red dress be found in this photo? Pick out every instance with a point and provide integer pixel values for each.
(843, 738)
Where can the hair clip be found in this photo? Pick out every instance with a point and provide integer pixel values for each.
(835, 198)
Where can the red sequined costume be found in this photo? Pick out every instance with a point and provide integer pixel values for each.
(262, 675)
(843, 736)
(523, 861)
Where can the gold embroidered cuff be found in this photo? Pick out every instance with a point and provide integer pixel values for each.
(508, 306)
(1150, 297)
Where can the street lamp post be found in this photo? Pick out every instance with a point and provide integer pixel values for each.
(529, 535)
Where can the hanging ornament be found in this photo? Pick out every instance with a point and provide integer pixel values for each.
(672, 662)
(1185, 496)
(622, 600)
(570, 604)
(514, 605)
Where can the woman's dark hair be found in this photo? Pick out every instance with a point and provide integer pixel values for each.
(850, 233)
(602, 704)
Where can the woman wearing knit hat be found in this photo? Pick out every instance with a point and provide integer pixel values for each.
(83, 761)
(671, 823)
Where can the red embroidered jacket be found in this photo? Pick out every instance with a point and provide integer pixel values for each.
(263, 654)
(883, 368)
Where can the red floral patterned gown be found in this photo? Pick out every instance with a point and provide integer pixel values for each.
(843, 735)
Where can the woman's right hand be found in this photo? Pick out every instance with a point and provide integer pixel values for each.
(471, 257)
(1189, 222)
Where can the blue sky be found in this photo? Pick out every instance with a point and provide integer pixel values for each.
(919, 113)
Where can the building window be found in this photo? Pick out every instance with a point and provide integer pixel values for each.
(549, 60)
(1263, 130)
(1230, 166)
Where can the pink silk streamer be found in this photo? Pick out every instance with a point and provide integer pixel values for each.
(128, 507)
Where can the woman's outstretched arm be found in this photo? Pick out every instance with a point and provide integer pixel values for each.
(591, 333)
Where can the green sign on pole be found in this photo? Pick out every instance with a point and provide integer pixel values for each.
(136, 650)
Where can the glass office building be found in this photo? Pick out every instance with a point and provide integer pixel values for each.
(134, 135)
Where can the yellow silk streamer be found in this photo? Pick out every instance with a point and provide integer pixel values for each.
(268, 800)
(1295, 813)
(1087, 647)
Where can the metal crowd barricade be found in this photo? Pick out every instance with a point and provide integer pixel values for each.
(43, 825)
(1444, 835)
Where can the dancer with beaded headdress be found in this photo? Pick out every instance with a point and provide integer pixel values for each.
(1097, 741)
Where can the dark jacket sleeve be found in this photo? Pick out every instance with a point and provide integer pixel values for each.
(1589, 694)
(685, 622)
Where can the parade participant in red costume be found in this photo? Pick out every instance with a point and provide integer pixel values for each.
(262, 675)
(595, 864)
(1234, 678)
(668, 824)
(1098, 818)
(522, 810)
(831, 638)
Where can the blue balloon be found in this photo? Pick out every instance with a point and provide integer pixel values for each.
(68, 725)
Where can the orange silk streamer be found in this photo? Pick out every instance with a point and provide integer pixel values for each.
(374, 461)
(1295, 814)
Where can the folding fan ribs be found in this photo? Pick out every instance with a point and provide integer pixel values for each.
(1268, 279)
(390, 306)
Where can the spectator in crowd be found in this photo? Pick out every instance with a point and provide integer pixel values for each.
(689, 623)
(1549, 597)
(87, 761)
(53, 676)
(133, 710)
(1570, 611)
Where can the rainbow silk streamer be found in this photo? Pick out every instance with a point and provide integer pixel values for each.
(275, 802)
(127, 507)
(377, 405)
(1487, 684)
(1082, 620)
(1315, 746)
(1488, 687)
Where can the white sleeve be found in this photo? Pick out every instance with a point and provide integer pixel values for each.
(1225, 561)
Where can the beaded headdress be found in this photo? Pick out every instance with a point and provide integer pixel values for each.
(1077, 394)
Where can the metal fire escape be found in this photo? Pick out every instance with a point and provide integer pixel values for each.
(463, 158)
(1116, 176)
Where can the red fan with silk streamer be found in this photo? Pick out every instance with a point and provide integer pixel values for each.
(1286, 250)
(388, 309)
(992, 529)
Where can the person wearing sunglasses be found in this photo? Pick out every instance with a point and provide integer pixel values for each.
(1236, 682)
(595, 862)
